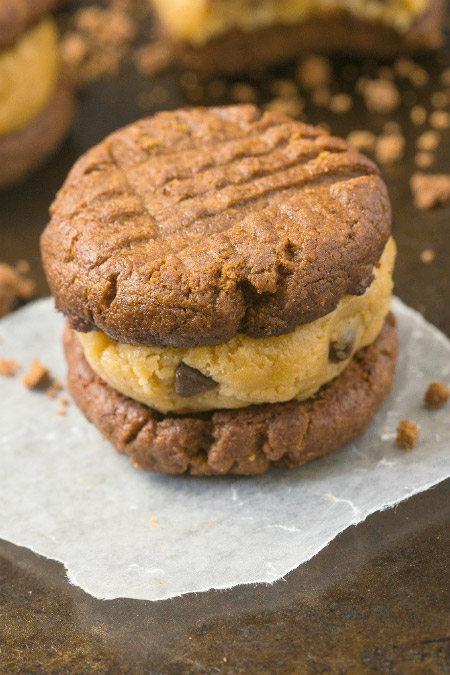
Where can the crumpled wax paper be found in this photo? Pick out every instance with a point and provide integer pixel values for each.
(67, 495)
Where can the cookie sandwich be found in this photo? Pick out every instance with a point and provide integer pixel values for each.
(230, 36)
(37, 106)
(227, 276)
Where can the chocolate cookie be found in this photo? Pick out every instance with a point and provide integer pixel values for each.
(25, 149)
(190, 227)
(18, 15)
(246, 441)
(239, 51)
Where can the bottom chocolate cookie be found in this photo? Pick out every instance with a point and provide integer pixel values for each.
(238, 51)
(246, 441)
(27, 148)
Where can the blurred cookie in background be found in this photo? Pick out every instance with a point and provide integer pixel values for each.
(231, 36)
(37, 104)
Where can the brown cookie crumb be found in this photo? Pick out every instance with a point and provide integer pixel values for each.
(242, 92)
(341, 103)
(8, 367)
(381, 96)
(436, 395)
(36, 375)
(418, 115)
(407, 434)
(440, 119)
(152, 59)
(427, 255)
(424, 159)
(389, 148)
(54, 388)
(314, 71)
(364, 141)
(430, 189)
(293, 107)
(429, 140)
(13, 288)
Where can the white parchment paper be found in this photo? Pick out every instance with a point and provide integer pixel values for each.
(120, 532)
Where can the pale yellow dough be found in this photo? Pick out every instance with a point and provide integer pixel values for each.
(28, 74)
(198, 21)
(247, 370)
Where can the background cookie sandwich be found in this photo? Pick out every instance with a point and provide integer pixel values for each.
(236, 35)
(36, 105)
(227, 276)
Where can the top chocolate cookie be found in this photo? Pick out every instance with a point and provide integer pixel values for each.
(17, 15)
(192, 226)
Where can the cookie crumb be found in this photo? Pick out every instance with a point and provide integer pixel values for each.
(429, 140)
(8, 367)
(430, 189)
(440, 119)
(439, 99)
(153, 58)
(36, 375)
(292, 107)
(341, 103)
(54, 388)
(418, 115)
(14, 288)
(389, 148)
(364, 141)
(243, 93)
(314, 71)
(381, 96)
(424, 159)
(407, 434)
(427, 255)
(436, 395)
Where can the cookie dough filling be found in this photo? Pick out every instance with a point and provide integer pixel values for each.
(245, 370)
(29, 73)
(197, 21)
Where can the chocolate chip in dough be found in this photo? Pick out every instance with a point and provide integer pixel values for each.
(341, 349)
(190, 381)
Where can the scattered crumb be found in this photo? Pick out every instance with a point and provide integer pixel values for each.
(418, 115)
(97, 41)
(314, 71)
(54, 388)
(424, 159)
(64, 401)
(427, 255)
(152, 59)
(404, 67)
(154, 521)
(430, 189)
(439, 119)
(436, 395)
(61, 412)
(341, 103)
(284, 88)
(8, 367)
(36, 375)
(243, 93)
(381, 96)
(407, 434)
(321, 97)
(216, 88)
(439, 99)
(293, 107)
(389, 148)
(419, 76)
(445, 77)
(364, 141)
(157, 95)
(14, 287)
(429, 140)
